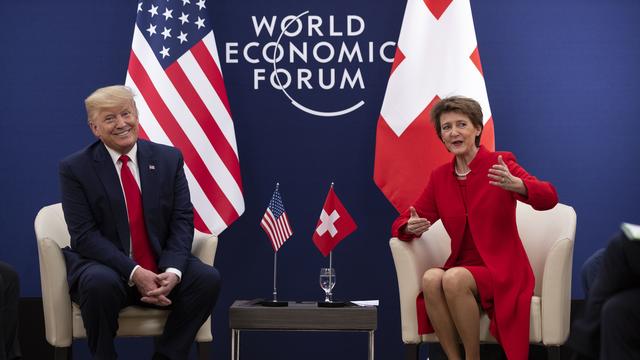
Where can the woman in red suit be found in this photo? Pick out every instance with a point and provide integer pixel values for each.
(475, 197)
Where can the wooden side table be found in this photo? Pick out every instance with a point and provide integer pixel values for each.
(299, 316)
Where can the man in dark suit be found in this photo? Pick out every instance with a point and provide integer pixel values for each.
(9, 298)
(127, 206)
(609, 327)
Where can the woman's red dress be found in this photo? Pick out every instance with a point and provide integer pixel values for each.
(483, 217)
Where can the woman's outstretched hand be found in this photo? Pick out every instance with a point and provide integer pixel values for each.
(501, 177)
(416, 225)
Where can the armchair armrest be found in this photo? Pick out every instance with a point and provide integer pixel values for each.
(410, 266)
(556, 292)
(55, 293)
(412, 259)
(204, 247)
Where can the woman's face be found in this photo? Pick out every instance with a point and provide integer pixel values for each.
(458, 133)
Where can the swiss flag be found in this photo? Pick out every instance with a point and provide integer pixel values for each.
(437, 56)
(334, 224)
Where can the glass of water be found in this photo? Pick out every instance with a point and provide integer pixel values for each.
(327, 282)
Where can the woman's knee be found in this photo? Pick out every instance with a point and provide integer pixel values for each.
(457, 281)
(432, 280)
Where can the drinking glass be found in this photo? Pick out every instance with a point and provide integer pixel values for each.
(327, 282)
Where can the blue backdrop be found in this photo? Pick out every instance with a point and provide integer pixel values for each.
(562, 78)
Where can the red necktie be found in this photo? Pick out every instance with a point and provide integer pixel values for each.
(140, 246)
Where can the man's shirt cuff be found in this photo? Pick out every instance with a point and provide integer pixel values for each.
(175, 271)
(131, 284)
(171, 270)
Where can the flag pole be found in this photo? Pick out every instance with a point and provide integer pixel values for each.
(275, 301)
(330, 277)
(331, 264)
(275, 266)
(331, 252)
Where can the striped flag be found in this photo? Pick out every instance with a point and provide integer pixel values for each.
(175, 69)
(275, 222)
(437, 56)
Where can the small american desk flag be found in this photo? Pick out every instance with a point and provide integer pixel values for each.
(174, 67)
(275, 222)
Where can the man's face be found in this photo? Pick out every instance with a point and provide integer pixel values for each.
(117, 127)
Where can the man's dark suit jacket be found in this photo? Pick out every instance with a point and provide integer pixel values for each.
(96, 214)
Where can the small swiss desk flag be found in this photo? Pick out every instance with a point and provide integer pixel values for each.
(334, 224)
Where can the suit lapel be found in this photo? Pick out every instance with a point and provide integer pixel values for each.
(109, 177)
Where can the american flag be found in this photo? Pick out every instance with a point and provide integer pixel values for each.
(175, 68)
(275, 222)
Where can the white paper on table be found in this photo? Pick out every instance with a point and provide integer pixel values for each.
(631, 230)
(366, 302)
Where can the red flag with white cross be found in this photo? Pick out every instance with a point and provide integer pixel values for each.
(334, 224)
(437, 56)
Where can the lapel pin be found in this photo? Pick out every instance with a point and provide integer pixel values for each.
(152, 167)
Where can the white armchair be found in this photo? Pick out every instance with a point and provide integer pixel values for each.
(63, 322)
(548, 238)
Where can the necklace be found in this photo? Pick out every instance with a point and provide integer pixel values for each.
(461, 174)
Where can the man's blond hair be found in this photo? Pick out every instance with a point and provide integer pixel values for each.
(109, 97)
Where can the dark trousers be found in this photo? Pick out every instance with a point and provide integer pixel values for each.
(9, 297)
(101, 293)
(609, 327)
